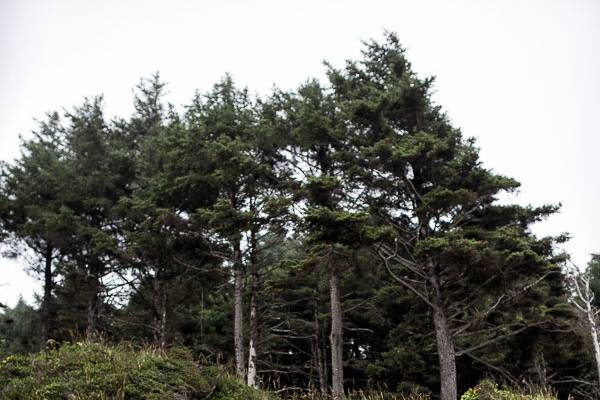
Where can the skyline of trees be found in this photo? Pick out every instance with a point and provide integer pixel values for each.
(342, 235)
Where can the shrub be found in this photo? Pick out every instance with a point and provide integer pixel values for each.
(97, 371)
(488, 390)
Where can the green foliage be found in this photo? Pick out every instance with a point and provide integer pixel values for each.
(488, 390)
(97, 371)
(19, 330)
(137, 224)
(593, 269)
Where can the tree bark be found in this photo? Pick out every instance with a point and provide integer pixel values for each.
(163, 322)
(318, 356)
(594, 333)
(252, 357)
(91, 329)
(160, 316)
(336, 337)
(238, 317)
(444, 339)
(47, 301)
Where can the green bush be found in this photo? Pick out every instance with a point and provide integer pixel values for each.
(97, 371)
(487, 390)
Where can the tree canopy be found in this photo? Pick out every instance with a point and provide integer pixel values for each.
(341, 236)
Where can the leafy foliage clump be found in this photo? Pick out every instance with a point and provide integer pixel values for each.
(98, 371)
(488, 390)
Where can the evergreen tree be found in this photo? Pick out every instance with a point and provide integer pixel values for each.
(95, 187)
(19, 329)
(32, 192)
(328, 198)
(454, 247)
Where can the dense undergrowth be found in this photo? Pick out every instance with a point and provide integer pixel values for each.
(100, 372)
(96, 371)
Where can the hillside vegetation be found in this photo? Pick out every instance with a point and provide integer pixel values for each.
(82, 370)
(97, 371)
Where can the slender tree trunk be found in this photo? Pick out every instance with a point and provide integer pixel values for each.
(201, 313)
(318, 356)
(163, 321)
(91, 328)
(594, 333)
(325, 359)
(160, 316)
(252, 358)
(336, 337)
(445, 341)
(238, 312)
(94, 302)
(47, 301)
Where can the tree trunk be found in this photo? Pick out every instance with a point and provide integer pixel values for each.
(253, 311)
(238, 312)
(93, 306)
(594, 333)
(445, 341)
(47, 302)
(91, 328)
(336, 338)
(163, 322)
(160, 316)
(318, 356)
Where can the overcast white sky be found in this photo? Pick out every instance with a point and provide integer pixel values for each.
(523, 77)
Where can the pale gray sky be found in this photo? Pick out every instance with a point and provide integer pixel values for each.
(523, 77)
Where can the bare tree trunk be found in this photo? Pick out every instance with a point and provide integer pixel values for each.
(238, 312)
(445, 341)
(336, 338)
(47, 302)
(325, 359)
(160, 315)
(318, 356)
(201, 313)
(91, 330)
(163, 321)
(253, 311)
(594, 333)
(583, 301)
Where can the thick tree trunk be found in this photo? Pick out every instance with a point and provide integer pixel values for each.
(336, 338)
(238, 312)
(252, 358)
(445, 341)
(47, 301)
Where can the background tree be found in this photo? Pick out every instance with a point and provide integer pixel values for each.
(32, 194)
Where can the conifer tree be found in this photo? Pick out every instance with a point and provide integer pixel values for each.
(454, 247)
(95, 186)
(328, 199)
(33, 190)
